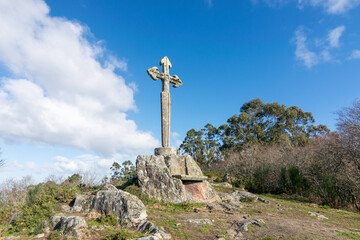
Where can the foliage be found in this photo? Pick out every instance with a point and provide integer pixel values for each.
(2, 161)
(5, 214)
(123, 235)
(41, 202)
(109, 219)
(257, 124)
(348, 125)
(55, 235)
(202, 145)
(13, 192)
(75, 179)
(122, 173)
(135, 190)
(321, 171)
(268, 123)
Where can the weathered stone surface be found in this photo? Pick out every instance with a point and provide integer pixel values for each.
(128, 208)
(156, 232)
(156, 181)
(109, 187)
(183, 165)
(221, 206)
(165, 96)
(234, 197)
(82, 203)
(235, 232)
(190, 178)
(223, 184)
(165, 151)
(200, 221)
(318, 215)
(68, 225)
(147, 227)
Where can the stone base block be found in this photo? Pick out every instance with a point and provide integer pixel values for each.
(155, 178)
(165, 151)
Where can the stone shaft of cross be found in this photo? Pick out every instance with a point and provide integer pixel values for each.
(165, 96)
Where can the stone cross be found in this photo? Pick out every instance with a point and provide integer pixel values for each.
(165, 96)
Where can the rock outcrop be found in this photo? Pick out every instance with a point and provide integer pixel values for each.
(156, 233)
(174, 179)
(235, 197)
(128, 208)
(68, 225)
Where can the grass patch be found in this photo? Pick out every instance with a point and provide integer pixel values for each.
(110, 219)
(350, 235)
(121, 234)
(182, 207)
(204, 230)
(135, 190)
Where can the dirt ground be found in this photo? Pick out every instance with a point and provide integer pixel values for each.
(284, 219)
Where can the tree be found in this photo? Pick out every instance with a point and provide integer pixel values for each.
(2, 161)
(267, 123)
(348, 126)
(257, 124)
(202, 145)
(122, 172)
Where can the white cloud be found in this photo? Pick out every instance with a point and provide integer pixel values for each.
(331, 6)
(302, 52)
(321, 48)
(84, 163)
(355, 54)
(335, 35)
(63, 90)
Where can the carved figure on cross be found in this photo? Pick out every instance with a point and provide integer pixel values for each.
(165, 96)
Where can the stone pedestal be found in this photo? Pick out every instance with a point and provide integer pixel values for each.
(173, 178)
(165, 151)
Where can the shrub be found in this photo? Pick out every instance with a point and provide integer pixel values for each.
(110, 219)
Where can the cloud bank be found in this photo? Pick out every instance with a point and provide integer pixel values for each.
(61, 88)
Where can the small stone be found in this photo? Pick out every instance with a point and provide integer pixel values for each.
(109, 187)
(200, 221)
(321, 217)
(40, 235)
(222, 206)
(65, 208)
(223, 184)
(147, 227)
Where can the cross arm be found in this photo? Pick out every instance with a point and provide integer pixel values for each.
(176, 81)
(154, 73)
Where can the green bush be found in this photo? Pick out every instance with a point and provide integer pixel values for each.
(41, 202)
(123, 235)
(110, 219)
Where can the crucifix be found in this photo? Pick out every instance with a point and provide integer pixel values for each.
(165, 96)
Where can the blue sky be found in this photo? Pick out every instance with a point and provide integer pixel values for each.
(75, 95)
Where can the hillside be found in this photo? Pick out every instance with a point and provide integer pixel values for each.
(275, 217)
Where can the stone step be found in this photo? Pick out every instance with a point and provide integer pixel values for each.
(190, 178)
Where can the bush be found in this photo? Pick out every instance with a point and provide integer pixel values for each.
(123, 235)
(110, 219)
(41, 202)
(322, 171)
